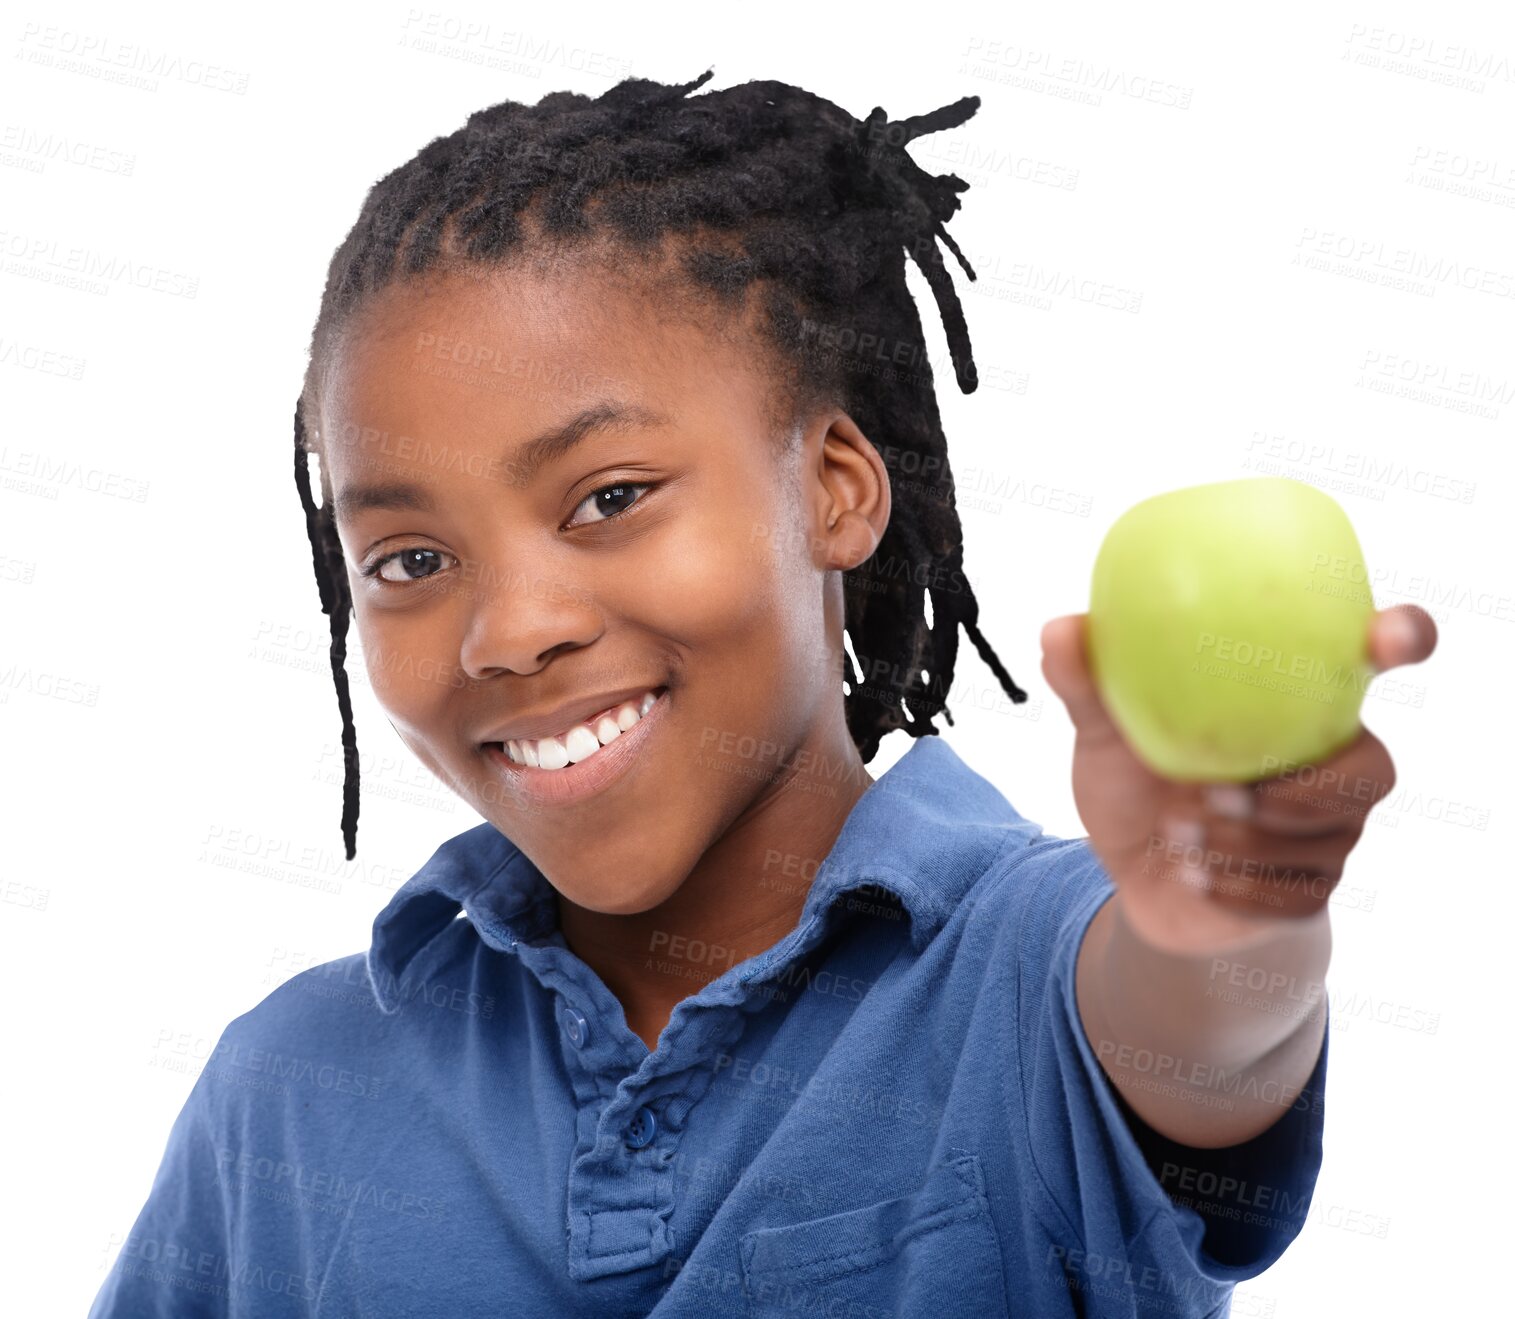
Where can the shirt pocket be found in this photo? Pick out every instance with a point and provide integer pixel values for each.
(917, 1254)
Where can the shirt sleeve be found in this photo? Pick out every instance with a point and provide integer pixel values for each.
(174, 1262)
(1136, 1223)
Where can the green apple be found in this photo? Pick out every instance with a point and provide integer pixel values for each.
(1228, 629)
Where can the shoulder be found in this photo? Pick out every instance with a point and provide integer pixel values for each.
(1021, 917)
(1023, 921)
(1041, 883)
(337, 987)
(320, 1037)
(329, 1013)
(316, 1059)
(316, 1035)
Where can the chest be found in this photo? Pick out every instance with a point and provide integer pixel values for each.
(804, 1150)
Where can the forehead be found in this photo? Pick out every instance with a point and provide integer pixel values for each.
(525, 345)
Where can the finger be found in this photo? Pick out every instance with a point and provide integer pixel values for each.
(1250, 871)
(1335, 794)
(1066, 669)
(1403, 634)
(1308, 800)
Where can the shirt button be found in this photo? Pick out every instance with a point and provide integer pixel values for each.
(641, 1129)
(576, 1027)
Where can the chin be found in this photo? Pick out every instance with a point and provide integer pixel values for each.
(622, 900)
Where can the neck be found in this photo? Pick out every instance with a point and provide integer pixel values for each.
(744, 894)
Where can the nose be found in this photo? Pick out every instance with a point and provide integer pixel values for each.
(519, 622)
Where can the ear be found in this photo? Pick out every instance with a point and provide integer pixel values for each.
(848, 493)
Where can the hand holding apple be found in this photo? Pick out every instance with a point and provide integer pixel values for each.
(1197, 864)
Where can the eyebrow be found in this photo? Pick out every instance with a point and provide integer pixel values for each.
(549, 446)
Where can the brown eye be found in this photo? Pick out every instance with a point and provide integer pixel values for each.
(408, 565)
(611, 501)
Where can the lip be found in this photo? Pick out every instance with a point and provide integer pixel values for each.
(585, 778)
(550, 723)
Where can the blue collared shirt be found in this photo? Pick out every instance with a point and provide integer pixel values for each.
(893, 1110)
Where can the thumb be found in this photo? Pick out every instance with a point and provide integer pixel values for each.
(1402, 634)
(1066, 669)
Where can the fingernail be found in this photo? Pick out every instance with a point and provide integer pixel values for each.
(1402, 628)
(1230, 801)
(1186, 832)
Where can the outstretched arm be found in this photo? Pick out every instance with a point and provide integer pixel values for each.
(1200, 983)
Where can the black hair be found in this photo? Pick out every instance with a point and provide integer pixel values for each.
(762, 185)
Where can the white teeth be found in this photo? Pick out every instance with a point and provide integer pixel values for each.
(582, 740)
(551, 754)
(582, 743)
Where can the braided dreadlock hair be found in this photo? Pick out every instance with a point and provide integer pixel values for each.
(763, 185)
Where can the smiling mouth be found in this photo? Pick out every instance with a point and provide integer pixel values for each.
(595, 769)
(583, 740)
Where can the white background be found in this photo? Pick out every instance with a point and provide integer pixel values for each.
(170, 733)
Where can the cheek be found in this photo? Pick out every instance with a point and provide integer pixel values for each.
(713, 584)
(744, 602)
(412, 662)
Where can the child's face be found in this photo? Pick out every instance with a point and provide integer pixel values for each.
(706, 575)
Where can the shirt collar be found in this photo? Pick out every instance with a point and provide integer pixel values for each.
(924, 830)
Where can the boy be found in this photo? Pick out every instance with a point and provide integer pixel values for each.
(703, 1018)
